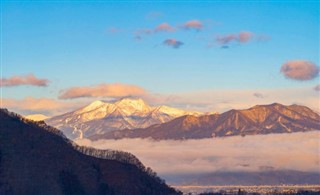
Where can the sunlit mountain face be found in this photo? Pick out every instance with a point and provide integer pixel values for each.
(133, 118)
(100, 117)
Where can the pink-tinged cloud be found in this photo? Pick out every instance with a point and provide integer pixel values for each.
(245, 37)
(173, 43)
(193, 24)
(103, 90)
(164, 27)
(241, 37)
(29, 79)
(300, 70)
(31, 103)
(46, 106)
(317, 88)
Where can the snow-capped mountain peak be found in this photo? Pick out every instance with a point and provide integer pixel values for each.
(92, 106)
(131, 106)
(171, 111)
(100, 117)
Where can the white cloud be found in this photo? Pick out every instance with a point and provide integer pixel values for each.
(296, 151)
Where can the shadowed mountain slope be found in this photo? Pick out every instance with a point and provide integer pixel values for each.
(38, 159)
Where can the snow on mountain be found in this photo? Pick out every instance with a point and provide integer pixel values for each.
(36, 117)
(260, 119)
(100, 117)
(131, 106)
(175, 112)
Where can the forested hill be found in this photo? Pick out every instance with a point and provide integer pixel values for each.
(38, 159)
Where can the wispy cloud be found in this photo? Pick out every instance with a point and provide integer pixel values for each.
(103, 90)
(221, 100)
(142, 32)
(317, 88)
(31, 105)
(258, 95)
(193, 24)
(164, 27)
(295, 151)
(29, 79)
(241, 37)
(300, 70)
(173, 43)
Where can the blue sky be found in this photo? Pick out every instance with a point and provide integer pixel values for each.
(78, 44)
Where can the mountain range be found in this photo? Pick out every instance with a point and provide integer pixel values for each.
(133, 118)
(38, 159)
(100, 117)
(260, 119)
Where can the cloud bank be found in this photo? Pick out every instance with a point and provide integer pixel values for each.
(46, 106)
(296, 151)
(113, 90)
(300, 70)
(221, 100)
(29, 79)
(215, 100)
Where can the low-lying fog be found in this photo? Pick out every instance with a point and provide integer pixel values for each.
(294, 151)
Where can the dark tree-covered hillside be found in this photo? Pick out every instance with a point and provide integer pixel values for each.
(38, 159)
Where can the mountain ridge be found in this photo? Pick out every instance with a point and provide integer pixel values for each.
(259, 119)
(99, 117)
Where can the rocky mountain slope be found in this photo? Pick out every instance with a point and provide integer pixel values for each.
(260, 119)
(38, 159)
(100, 117)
